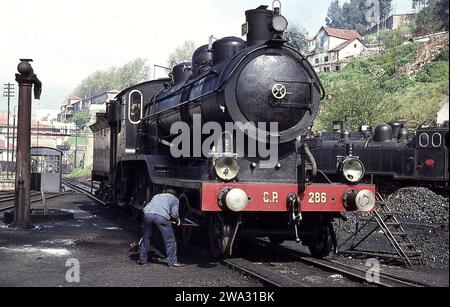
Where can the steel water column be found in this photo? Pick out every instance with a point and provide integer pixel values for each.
(26, 79)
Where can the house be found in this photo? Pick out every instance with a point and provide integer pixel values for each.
(396, 21)
(68, 109)
(45, 134)
(332, 48)
(95, 104)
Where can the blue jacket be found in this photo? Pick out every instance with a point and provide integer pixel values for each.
(165, 205)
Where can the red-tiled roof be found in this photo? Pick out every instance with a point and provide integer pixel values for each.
(342, 46)
(342, 33)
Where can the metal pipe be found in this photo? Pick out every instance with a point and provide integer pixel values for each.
(26, 79)
(311, 159)
(18, 212)
(23, 155)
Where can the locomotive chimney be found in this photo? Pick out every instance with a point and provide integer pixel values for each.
(264, 25)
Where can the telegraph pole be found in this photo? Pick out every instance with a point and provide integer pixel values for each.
(14, 139)
(8, 91)
(76, 147)
(26, 79)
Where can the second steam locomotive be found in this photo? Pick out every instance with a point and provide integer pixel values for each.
(393, 156)
(231, 188)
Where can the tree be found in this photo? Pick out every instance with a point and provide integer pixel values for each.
(434, 17)
(100, 81)
(181, 54)
(296, 38)
(354, 14)
(335, 15)
(355, 99)
(131, 74)
(81, 119)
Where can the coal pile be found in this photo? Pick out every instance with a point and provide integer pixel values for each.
(420, 205)
(424, 207)
(424, 216)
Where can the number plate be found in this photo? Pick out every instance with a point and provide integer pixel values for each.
(316, 198)
(245, 29)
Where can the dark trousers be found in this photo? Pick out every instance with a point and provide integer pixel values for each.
(165, 226)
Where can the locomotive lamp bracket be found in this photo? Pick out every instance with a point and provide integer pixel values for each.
(276, 9)
(279, 23)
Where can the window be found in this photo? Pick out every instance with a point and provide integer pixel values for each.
(317, 60)
(338, 68)
(355, 45)
(322, 40)
(326, 59)
(424, 140)
(135, 107)
(437, 140)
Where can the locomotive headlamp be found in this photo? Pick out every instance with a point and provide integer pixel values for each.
(279, 23)
(352, 169)
(227, 168)
(236, 200)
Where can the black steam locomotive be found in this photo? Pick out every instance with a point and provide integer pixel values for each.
(393, 156)
(229, 191)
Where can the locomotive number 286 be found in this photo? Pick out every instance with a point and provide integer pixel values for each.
(317, 198)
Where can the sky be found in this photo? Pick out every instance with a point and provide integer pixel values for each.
(69, 39)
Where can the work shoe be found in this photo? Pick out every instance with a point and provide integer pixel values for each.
(141, 262)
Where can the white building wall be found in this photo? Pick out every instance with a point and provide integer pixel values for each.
(334, 42)
(322, 41)
(353, 50)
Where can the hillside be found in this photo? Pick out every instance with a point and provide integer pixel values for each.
(408, 82)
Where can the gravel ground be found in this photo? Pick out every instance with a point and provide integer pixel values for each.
(99, 238)
(425, 215)
(420, 205)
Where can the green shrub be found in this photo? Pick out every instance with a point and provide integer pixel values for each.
(397, 37)
(433, 72)
(372, 90)
(443, 55)
(82, 172)
(398, 83)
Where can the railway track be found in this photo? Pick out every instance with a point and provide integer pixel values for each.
(274, 279)
(32, 201)
(82, 188)
(266, 276)
(349, 271)
(10, 196)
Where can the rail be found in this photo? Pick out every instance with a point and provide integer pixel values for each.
(352, 272)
